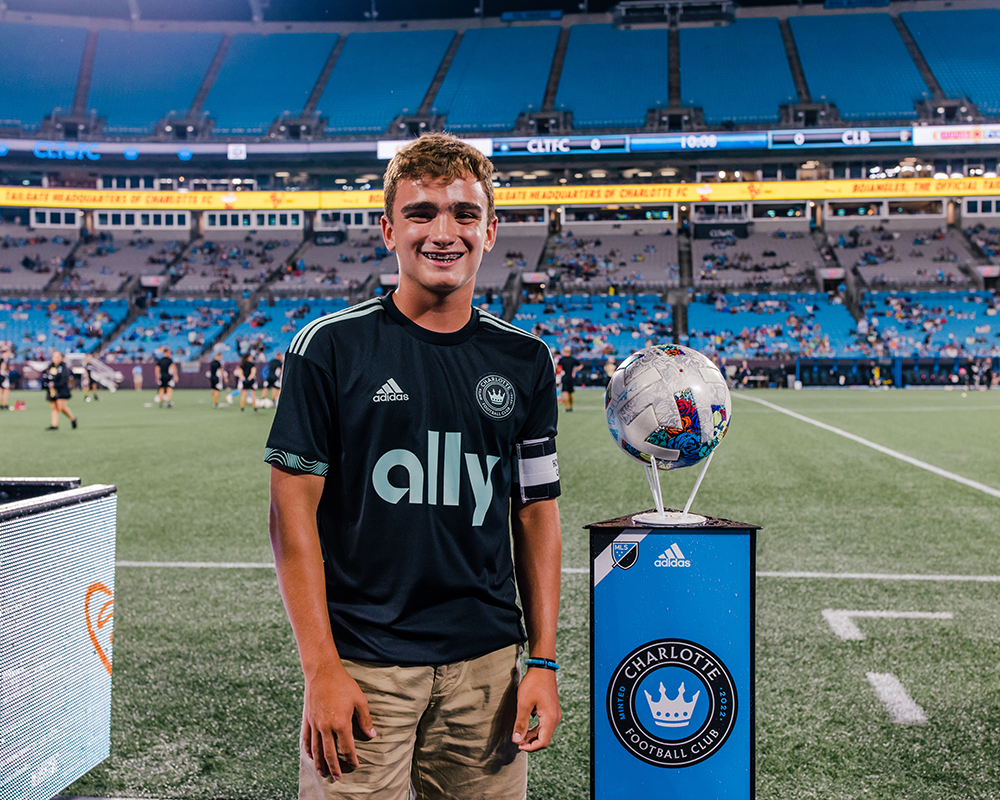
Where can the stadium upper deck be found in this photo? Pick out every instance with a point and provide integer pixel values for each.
(759, 67)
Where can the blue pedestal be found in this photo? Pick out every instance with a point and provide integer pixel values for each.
(672, 660)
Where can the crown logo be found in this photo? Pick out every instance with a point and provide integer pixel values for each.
(496, 397)
(669, 713)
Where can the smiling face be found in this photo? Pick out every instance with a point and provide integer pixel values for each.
(439, 232)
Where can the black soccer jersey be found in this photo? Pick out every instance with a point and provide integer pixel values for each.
(418, 433)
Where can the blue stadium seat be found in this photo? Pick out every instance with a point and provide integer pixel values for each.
(473, 96)
(168, 323)
(738, 72)
(858, 62)
(356, 100)
(611, 77)
(960, 47)
(69, 325)
(757, 325)
(141, 76)
(271, 328)
(263, 77)
(44, 62)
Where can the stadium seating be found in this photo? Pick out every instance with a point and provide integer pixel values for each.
(903, 255)
(600, 61)
(858, 62)
(46, 61)
(987, 240)
(738, 72)
(517, 249)
(960, 46)
(271, 328)
(32, 328)
(104, 263)
(264, 77)
(353, 103)
(232, 263)
(769, 325)
(611, 254)
(471, 96)
(339, 266)
(142, 76)
(762, 260)
(598, 326)
(929, 324)
(28, 260)
(185, 326)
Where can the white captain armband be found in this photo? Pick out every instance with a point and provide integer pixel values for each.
(538, 469)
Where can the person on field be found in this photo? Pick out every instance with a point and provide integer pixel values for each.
(216, 377)
(246, 382)
(166, 378)
(5, 366)
(571, 368)
(58, 382)
(414, 440)
(90, 391)
(274, 367)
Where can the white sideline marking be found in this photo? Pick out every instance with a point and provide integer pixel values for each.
(841, 622)
(864, 576)
(254, 565)
(895, 698)
(876, 576)
(916, 462)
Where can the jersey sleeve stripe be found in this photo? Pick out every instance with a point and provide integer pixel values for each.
(301, 342)
(506, 326)
(283, 459)
(305, 332)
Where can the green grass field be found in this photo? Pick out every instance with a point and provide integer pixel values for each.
(207, 688)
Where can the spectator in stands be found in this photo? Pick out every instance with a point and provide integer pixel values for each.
(58, 381)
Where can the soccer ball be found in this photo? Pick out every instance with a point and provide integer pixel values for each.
(670, 402)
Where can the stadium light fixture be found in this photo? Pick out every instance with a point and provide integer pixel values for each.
(529, 177)
(940, 176)
(957, 176)
(340, 181)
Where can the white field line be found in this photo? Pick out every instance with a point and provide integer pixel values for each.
(880, 576)
(253, 565)
(841, 621)
(916, 462)
(888, 410)
(895, 698)
(836, 576)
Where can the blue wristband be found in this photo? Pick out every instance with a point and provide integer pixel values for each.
(544, 663)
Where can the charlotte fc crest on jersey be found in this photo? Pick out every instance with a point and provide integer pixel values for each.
(672, 703)
(495, 395)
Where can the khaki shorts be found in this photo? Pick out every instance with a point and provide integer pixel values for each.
(443, 732)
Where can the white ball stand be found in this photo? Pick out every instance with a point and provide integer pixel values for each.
(662, 518)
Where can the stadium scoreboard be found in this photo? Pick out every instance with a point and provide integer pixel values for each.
(57, 583)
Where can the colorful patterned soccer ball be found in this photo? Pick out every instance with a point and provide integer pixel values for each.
(670, 402)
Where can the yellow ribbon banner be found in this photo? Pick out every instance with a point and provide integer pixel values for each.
(631, 194)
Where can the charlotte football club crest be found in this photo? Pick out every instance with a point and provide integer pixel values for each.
(672, 703)
(624, 554)
(495, 395)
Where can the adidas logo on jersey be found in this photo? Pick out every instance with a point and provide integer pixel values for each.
(390, 391)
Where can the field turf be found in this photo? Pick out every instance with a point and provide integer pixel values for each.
(207, 687)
